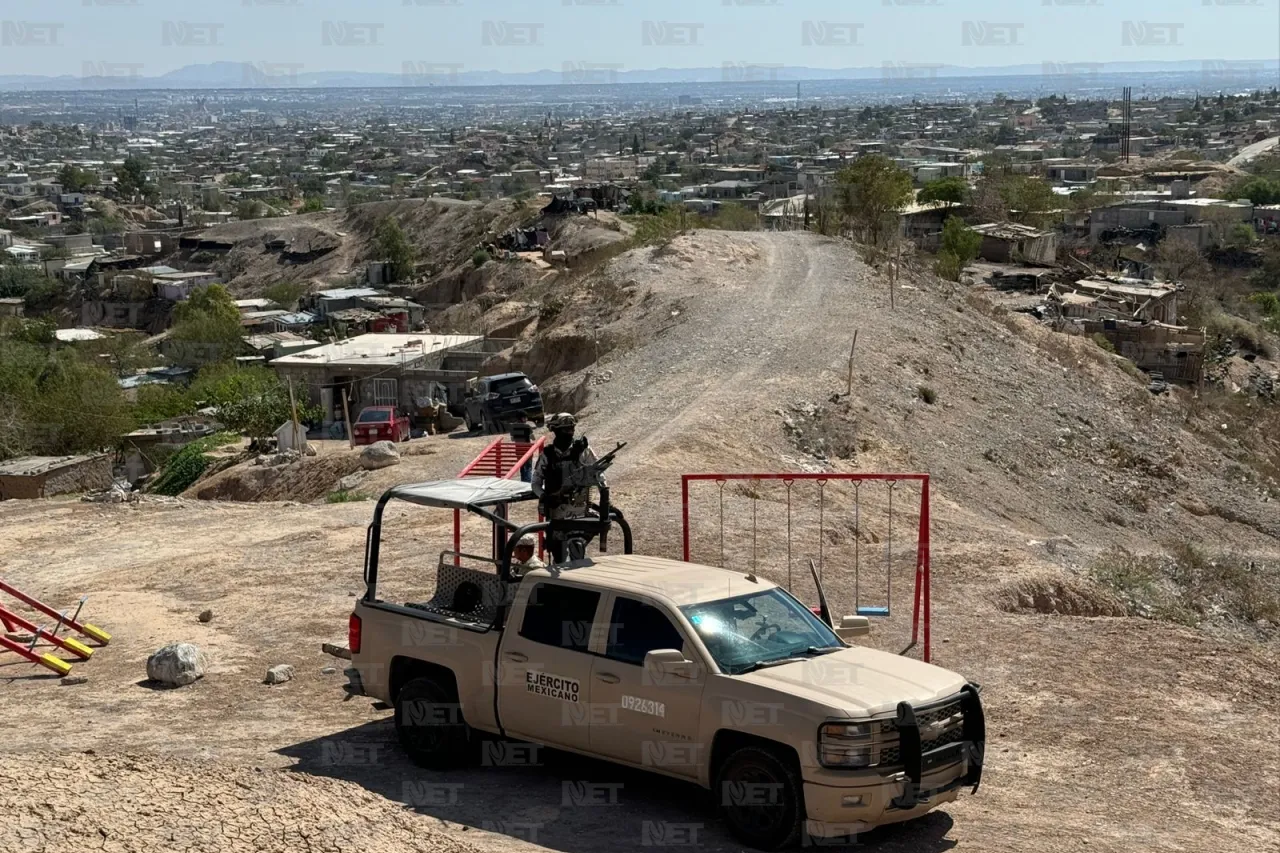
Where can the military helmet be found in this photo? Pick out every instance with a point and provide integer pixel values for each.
(564, 420)
(527, 541)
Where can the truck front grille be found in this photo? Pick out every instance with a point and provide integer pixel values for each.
(940, 726)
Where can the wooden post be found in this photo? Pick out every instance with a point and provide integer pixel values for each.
(293, 407)
(346, 414)
(849, 387)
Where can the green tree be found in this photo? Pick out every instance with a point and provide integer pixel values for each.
(944, 189)
(1257, 190)
(248, 209)
(206, 327)
(393, 247)
(237, 179)
(285, 293)
(871, 191)
(312, 204)
(131, 177)
(253, 401)
(1029, 199)
(959, 246)
(74, 179)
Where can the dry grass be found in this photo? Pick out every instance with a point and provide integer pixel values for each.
(1192, 587)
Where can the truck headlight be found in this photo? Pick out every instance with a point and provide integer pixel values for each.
(844, 745)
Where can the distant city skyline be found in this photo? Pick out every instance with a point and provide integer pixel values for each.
(149, 38)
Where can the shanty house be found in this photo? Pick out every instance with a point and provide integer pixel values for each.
(45, 476)
(384, 370)
(1003, 242)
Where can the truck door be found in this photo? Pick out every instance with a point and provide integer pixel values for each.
(545, 666)
(642, 719)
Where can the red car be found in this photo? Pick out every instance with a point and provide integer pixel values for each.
(381, 423)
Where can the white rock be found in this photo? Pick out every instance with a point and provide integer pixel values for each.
(176, 664)
(279, 674)
(73, 680)
(380, 454)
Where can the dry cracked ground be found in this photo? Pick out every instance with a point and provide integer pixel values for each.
(1106, 734)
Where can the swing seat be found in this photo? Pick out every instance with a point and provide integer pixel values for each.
(872, 611)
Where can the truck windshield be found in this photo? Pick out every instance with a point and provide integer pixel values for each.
(748, 631)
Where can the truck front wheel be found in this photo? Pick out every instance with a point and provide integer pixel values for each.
(430, 726)
(762, 798)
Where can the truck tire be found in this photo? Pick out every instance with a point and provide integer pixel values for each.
(762, 798)
(430, 726)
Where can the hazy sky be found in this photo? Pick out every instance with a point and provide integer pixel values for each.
(55, 37)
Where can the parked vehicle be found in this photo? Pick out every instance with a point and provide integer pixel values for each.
(713, 676)
(381, 423)
(492, 402)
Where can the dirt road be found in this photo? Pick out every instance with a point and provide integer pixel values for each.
(1106, 734)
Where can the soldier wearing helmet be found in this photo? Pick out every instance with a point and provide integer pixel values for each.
(524, 555)
(563, 477)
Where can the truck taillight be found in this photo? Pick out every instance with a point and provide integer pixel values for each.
(353, 634)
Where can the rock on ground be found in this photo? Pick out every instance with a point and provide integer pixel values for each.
(279, 674)
(205, 616)
(177, 664)
(380, 454)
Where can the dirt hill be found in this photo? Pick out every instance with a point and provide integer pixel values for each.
(728, 352)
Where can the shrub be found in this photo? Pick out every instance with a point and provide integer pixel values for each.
(479, 258)
(1102, 342)
(928, 394)
(344, 496)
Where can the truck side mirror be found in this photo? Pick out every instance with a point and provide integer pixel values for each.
(663, 664)
(853, 626)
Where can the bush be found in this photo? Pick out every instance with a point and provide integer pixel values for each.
(480, 257)
(948, 266)
(1102, 342)
(929, 395)
(183, 468)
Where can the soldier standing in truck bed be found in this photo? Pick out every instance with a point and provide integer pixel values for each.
(563, 477)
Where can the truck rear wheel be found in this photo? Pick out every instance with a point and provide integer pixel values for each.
(430, 726)
(762, 798)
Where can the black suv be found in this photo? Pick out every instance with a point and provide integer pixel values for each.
(492, 402)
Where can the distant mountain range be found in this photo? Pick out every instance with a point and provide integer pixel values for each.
(260, 75)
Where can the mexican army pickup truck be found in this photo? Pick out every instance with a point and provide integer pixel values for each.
(709, 675)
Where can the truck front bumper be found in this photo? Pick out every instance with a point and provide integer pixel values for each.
(932, 772)
(838, 811)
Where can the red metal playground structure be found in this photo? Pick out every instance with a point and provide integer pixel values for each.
(922, 605)
(505, 459)
(13, 622)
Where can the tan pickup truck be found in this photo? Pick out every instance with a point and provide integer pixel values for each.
(709, 675)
